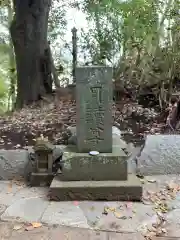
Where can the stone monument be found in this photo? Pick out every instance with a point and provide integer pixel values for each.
(95, 177)
(94, 109)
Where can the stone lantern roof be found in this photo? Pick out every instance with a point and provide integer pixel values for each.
(43, 144)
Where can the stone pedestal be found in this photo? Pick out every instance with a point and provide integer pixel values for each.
(84, 167)
(41, 179)
(101, 177)
(130, 190)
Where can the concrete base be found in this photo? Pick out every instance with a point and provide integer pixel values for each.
(41, 179)
(130, 190)
(84, 167)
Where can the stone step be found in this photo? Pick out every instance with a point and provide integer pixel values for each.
(130, 190)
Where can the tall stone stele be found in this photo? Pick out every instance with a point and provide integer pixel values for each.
(103, 176)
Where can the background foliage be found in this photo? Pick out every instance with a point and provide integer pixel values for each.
(139, 38)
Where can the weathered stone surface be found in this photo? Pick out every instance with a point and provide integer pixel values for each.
(16, 163)
(116, 131)
(57, 151)
(26, 210)
(126, 219)
(93, 211)
(65, 213)
(125, 236)
(119, 143)
(94, 108)
(175, 203)
(2, 208)
(132, 164)
(31, 192)
(12, 192)
(64, 233)
(41, 179)
(84, 167)
(6, 198)
(130, 190)
(6, 230)
(73, 136)
(161, 155)
(12, 163)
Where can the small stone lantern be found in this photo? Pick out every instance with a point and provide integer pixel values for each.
(43, 162)
(43, 155)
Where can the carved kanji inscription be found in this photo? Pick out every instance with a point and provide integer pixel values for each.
(94, 108)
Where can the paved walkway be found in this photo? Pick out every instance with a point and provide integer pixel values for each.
(8, 231)
(158, 215)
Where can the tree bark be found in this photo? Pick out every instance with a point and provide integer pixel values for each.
(12, 69)
(29, 37)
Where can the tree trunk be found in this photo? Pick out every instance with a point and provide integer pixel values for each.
(29, 37)
(12, 69)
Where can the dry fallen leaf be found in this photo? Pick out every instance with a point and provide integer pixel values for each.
(142, 181)
(17, 227)
(151, 180)
(146, 202)
(173, 187)
(111, 209)
(164, 230)
(36, 224)
(150, 235)
(117, 215)
(105, 211)
(161, 207)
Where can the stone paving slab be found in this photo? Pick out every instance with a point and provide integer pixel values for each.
(60, 233)
(124, 236)
(30, 210)
(29, 192)
(65, 213)
(12, 163)
(10, 192)
(7, 192)
(66, 233)
(129, 221)
(31, 204)
(6, 198)
(92, 211)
